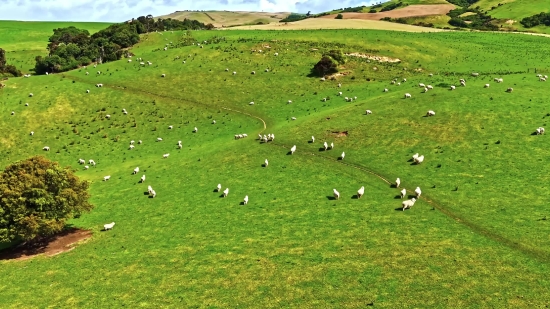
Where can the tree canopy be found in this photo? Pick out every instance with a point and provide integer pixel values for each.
(71, 47)
(7, 68)
(37, 197)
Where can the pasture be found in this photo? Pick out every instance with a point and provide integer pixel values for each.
(228, 18)
(476, 238)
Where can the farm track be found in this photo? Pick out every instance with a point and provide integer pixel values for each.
(528, 251)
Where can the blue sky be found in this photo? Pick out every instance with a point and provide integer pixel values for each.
(120, 10)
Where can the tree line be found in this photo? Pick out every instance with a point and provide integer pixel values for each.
(70, 47)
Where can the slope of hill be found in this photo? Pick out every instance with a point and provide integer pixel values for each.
(513, 9)
(25, 40)
(476, 238)
(228, 18)
(404, 12)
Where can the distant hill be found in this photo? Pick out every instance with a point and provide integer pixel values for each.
(229, 18)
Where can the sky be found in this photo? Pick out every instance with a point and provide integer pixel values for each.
(121, 10)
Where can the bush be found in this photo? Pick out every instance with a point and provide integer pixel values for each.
(7, 68)
(339, 16)
(325, 66)
(391, 6)
(535, 20)
(336, 55)
(37, 197)
(372, 11)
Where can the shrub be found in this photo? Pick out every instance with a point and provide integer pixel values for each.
(339, 16)
(325, 66)
(37, 197)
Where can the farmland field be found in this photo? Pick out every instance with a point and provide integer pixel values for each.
(477, 237)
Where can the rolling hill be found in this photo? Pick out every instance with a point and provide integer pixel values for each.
(228, 18)
(476, 238)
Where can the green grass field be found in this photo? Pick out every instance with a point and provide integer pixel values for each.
(24, 40)
(477, 238)
(513, 9)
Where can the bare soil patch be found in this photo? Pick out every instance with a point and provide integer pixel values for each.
(341, 134)
(372, 57)
(408, 11)
(50, 246)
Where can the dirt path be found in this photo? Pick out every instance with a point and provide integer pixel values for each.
(408, 11)
(51, 246)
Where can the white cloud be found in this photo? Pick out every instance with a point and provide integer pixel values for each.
(120, 10)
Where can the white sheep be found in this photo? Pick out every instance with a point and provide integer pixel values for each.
(108, 226)
(234, 73)
(88, 91)
(403, 193)
(408, 95)
(419, 159)
(453, 87)
(219, 187)
(149, 189)
(336, 194)
(313, 139)
(86, 167)
(140, 142)
(213, 121)
(159, 139)
(368, 112)
(132, 142)
(408, 203)
(332, 145)
(385, 89)
(430, 113)
(293, 149)
(425, 90)
(131, 147)
(32, 132)
(430, 87)
(266, 163)
(325, 145)
(253, 72)
(360, 192)
(509, 89)
(170, 127)
(415, 156)
(540, 131)
(276, 54)
(418, 192)
(153, 193)
(106, 178)
(397, 182)
(12, 113)
(108, 116)
(404, 79)
(245, 200)
(421, 85)
(165, 155)
(225, 192)
(81, 161)
(46, 148)
(31, 95)
(92, 162)
(342, 156)
(136, 170)
(251, 103)
(142, 179)
(163, 75)
(289, 102)
(293, 118)
(340, 93)
(487, 85)
(195, 130)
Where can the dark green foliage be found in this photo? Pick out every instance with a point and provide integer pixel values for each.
(71, 47)
(339, 16)
(463, 3)
(326, 65)
(372, 11)
(337, 55)
(294, 17)
(535, 20)
(354, 9)
(391, 6)
(37, 197)
(479, 20)
(7, 68)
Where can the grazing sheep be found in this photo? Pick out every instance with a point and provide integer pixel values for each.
(500, 80)
(26, 104)
(509, 89)
(266, 163)
(408, 203)
(32, 132)
(453, 87)
(153, 193)
(219, 187)
(289, 102)
(132, 142)
(418, 192)
(368, 112)
(342, 156)
(46, 148)
(195, 130)
(324, 99)
(431, 74)
(487, 85)
(293, 118)
(339, 85)
(225, 192)
(170, 127)
(463, 84)
(159, 139)
(419, 159)
(87, 90)
(313, 139)
(12, 113)
(415, 156)
(475, 74)
(81, 161)
(430, 113)
(397, 182)
(421, 85)
(136, 170)
(425, 90)
(142, 179)
(336, 194)
(404, 79)
(149, 189)
(31, 95)
(234, 73)
(108, 116)
(106, 178)
(360, 192)
(108, 226)
(325, 145)
(165, 155)
(163, 75)
(276, 54)
(251, 103)
(245, 200)
(92, 162)
(87, 73)
(408, 95)
(385, 89)
(253, 72)
(430, 87)
(180, 146)
(86, 167)
(140, 142)
(340, 93)
(213, 121)
(332, 145)
(403, 193)
(293, 149)
(131, 147)
(540, 131)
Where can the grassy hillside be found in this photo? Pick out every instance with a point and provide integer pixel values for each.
(477, 238)
(513, 9)
(228, 18)
(23, 40)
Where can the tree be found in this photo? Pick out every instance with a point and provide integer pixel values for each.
(37, 197)
(326, 65)
(339, 16)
